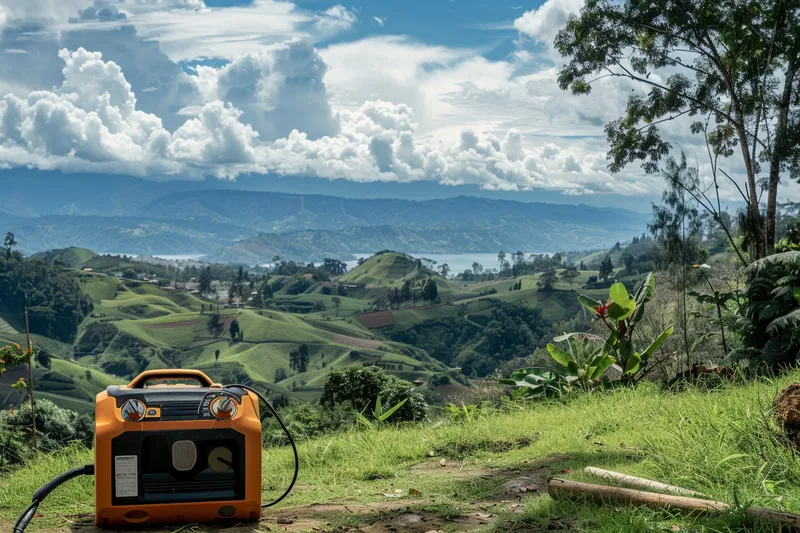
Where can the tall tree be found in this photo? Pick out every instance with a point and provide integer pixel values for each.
(430, 291)
(9, 242)
(444, 269)
(547, 280)
(334, 267)
(337, 302)
(569, 274)
(298, 358)
(205, 280)
(731, 65)
(477, 268)
(606, 268)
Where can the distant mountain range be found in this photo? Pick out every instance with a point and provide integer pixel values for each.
(128, 215)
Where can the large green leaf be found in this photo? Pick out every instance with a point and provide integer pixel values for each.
(638, 313)
(389, 412)
(600, 367)
(796, 294)
(620, 312)
(618, 293)
(646, 291)
(560, 356)
(633, 364)
(648, 353)
(589, 303)
(622, 304)
(584, 336)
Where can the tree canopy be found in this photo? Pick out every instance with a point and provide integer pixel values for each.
(726, 70)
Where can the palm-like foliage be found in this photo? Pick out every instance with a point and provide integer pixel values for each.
(772, 330)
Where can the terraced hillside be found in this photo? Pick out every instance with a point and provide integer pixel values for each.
(138, 326)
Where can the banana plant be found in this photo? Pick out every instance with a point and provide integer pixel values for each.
(587, 370)
(538, 383)
(620, 314)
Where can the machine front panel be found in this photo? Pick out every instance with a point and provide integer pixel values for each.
(181, 466)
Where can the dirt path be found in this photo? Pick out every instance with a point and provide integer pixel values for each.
(399, 512)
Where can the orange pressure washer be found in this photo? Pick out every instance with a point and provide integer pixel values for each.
(174, 453)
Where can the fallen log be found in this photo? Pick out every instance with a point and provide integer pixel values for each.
(640, 482)
(602, 494)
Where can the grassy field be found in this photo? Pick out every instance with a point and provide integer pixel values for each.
(455, 476)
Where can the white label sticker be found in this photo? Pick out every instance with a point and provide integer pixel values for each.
(126, 476)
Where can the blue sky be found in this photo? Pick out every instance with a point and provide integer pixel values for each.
(456, 94)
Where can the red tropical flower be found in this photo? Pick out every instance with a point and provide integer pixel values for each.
(602, 309)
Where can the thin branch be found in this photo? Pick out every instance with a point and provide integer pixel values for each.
(707, 107)
(672, 117)
(744, 196)
(600, 78)
(711, 210)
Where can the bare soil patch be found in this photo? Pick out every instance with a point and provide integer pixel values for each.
(380, 319)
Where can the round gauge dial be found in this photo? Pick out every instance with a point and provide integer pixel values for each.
(223, 408)
(220, 459)
(133, 410)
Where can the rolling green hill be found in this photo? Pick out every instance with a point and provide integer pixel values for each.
(72, 256)
(387, 269)
(137, 326)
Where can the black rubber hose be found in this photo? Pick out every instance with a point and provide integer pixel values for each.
(26, 517)
(288, 435)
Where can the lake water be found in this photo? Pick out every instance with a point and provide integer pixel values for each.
(458, 262)
(166, 257)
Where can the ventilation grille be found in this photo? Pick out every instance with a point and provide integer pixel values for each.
(181, 411)
(184, 487)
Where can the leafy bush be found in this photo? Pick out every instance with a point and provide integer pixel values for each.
(307, 420)
(413, 410)
(299, 286)
(772, 313)
(358, 388)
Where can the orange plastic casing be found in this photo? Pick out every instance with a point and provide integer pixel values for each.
(109, 425)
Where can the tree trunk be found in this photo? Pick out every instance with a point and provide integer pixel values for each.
(778, 151)
(758, 248)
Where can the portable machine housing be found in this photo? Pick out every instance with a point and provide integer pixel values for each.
(180, 451)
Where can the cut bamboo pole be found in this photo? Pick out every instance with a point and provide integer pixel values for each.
(641, 483)
(564, 489)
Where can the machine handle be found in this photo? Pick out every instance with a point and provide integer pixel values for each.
(152, 375)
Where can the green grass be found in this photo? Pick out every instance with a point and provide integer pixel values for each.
(718, 442)
(347, 306)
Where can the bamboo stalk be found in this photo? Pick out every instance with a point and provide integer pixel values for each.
(602, 494)
(641, 483)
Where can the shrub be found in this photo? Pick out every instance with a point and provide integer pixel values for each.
(305, 421)
(55, 427)
(413, 410)
(359, 388)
